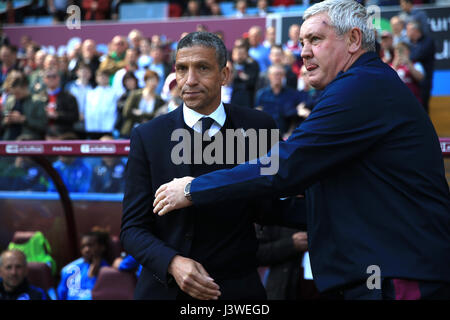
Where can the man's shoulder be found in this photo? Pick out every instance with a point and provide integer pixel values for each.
(159, 124)
(250, 116)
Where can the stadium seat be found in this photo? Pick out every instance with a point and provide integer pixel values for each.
(40, 275)
(113, 284)
(20, 237)
(142, 11)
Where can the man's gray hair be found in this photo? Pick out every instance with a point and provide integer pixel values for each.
(345, 15)
(208, 40)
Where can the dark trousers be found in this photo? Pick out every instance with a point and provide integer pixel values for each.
(392, 289)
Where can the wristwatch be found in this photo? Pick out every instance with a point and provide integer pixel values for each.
(187, 191)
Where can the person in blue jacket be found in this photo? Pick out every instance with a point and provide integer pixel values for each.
(78, 277)
(368, 157)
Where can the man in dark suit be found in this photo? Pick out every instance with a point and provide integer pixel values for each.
(184, 253)
(377, 201)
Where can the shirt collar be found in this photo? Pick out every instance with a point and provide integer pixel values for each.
(191, 117)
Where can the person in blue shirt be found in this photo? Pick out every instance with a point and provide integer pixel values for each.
(279, 100)
(257, 50)
(368, 158)
(78, 277)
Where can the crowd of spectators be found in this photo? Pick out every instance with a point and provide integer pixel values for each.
(87, 94)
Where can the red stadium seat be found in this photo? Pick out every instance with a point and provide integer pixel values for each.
(20, 237)
(113, 284)
(40, 275)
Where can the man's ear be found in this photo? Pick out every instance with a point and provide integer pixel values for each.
(354, 40)
(225, 75)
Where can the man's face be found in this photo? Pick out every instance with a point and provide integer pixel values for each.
(13, 270)
(294, 32)
(324, 53)
(88, 49)
(276, 55)
(119, 45)
(412, 32)
(276, 76)
(51, 79)
(90, 248)
(200, 78)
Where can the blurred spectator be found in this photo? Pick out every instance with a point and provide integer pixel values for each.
(78, 277)
(270, 39)
(79, 89)
(61, 106)
(387, 47)
(227, 89)
(101, 107)
(36, 79)
(89, 57)
(134, 38)
(108, 176)
(215, 9)
(398, 30)
(194, 9)
(292, 62)
(276, 56)
(309, 95)
(159, 66)
(142, 104)
(23, 174)
(145, 58)
(23, 114)
(411, 73)
(409, 13)
(57, 8)
(28, 63)
(263, 8)
(75, 172)
(241, 8)
(278, 100)
(422, 50)
(293, 44)
(131, 60)
(8, 61)
(174, 99)
(115, 59)
(96, 9)
(11, 14)
(14, 284)
(245, 76)
(257, 50)
(6, 90)
(130, 83)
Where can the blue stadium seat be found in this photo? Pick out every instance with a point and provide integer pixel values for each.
(141, 11)
(227, 8)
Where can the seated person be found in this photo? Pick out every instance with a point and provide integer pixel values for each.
(108, 175)
(78, 277)
(14, 284)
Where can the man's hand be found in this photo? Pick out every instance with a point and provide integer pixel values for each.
(300, 240)
(193, 279)
(170, 196)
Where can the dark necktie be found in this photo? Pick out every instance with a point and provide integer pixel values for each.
(206, 123)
